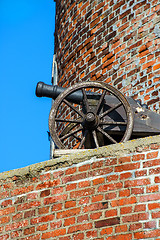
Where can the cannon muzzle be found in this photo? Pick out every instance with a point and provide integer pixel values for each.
(53, 91)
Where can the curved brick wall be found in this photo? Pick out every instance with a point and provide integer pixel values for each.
(113, 41)
(110, 193)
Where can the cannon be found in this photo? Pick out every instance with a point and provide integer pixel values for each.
(94, 114)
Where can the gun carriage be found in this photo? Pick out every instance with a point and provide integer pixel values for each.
(94, 114)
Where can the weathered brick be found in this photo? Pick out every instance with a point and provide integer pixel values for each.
(107, 222)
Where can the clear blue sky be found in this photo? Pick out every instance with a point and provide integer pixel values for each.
(26, 53)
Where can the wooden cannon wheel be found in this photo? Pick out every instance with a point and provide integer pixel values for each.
(72, 124)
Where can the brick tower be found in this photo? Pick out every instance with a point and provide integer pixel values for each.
(113, 41)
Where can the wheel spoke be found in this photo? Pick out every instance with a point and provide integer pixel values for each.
(110, 110)
(67, 120)
(95, 138)
(73, 108)
(106, 135)
(85, 100)
(113, 123)
(100, 102)
(71, 133)
(83, 139)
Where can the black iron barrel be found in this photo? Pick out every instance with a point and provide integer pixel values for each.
(45, 90)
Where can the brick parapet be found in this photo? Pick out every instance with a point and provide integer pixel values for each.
(113, 41)
(100, 196)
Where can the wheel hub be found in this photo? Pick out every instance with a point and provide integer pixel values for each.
(91, 120)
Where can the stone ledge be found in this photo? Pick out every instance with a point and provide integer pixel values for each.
(119, 149)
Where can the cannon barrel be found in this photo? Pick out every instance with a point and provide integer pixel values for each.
(53, 91)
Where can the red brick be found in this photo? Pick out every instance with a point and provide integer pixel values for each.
(79, 236)
(127, 167)
(95, 206)
(112, 178)
(16, 225)
(91, 234)
(124, 159)
(110, 187)
(96, 215)
(83, 218)
(42, 228)
(106, 231)
(111, 213)
(84, 184)
(84, 168)
(156, 215)
(32, 196)
(57, 190)
(43, 210)
(154, 171)
(111, 195)
(7, 211)
(152, 155)
(121, 228)
(4, 220)
(45, 193)
(152, 206)
(151, 163)
(141, 173)
(6, 203)
(150, 197)
(28, 205)
(120, 237)
(71, 186)
(82, 193)
(84, 201)
(135, 217)
(81, 227)
(140, 208)
(55, 199)
(57, 207)
(98, 181)
(45, 177)
(69, 221)
(138, 157)
(138, 182)
(124, 193)
(125, 175)
(123, 201)
(68, 213)
(98, 164)
(70, 171)
(70, 204)
(55, 233)
(22, 190)
(29, 231)
(135, 226)
(16, 234)
(27, 214)
(136, 191)
(110, 161)
(152, 189)
(48, 184)
(125, 210)
(97, 198)
(42, 219)
(55, 225)
(4, 237)
(147, 234)
(151, 224)
(157, 66)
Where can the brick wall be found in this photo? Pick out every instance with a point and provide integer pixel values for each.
(113, 41)
(107, 193)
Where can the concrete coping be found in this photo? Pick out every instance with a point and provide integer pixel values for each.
(119, 149)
